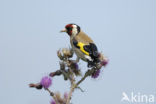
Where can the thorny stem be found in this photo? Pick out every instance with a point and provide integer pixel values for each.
(65, 74)
(73, 85)
(52, 94)
(88, 73)
(82, 79)
(70, 76)
(80, 89)
(71, 88)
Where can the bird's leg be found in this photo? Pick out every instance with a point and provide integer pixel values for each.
(90, 64)
(77, 59)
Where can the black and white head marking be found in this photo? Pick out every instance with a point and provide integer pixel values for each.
(73, 29)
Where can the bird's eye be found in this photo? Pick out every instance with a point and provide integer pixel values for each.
(69, 28)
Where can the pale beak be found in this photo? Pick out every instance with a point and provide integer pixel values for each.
(63, 30)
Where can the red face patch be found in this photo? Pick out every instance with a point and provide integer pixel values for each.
(69, 28)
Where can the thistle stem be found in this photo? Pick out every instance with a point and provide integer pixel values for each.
(71, 88)
(53, 95)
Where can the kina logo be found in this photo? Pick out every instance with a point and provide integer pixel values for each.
(137, 98)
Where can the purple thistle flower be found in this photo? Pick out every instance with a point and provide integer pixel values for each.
(76, 66)
(52, 102)
(96, 74)
(46, 82)
(104, 62)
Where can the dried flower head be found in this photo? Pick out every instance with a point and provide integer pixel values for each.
(46, 82)
(101, 56)
(67, 52)
(96, 74)
(59, 98)
(59, 54)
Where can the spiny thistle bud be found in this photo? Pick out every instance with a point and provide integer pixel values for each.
(46, 82)
(76, 69)
(62, 66)
(96, 74)
(76, 66)
(37, 86)
(52, 102)
(56, 73)
(103, 60)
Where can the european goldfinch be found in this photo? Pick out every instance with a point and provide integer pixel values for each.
(82, 44)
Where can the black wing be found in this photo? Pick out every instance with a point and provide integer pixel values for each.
(91, 49)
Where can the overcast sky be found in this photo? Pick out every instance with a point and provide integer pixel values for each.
(124, 30)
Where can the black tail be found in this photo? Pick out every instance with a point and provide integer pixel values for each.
(93, 52)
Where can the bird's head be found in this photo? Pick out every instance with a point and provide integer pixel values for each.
(71, 29)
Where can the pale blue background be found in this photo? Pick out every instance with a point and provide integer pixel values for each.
(124, 30)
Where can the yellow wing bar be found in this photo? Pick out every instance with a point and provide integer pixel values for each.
(81, 45)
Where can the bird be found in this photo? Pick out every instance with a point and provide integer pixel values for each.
(83, 46)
